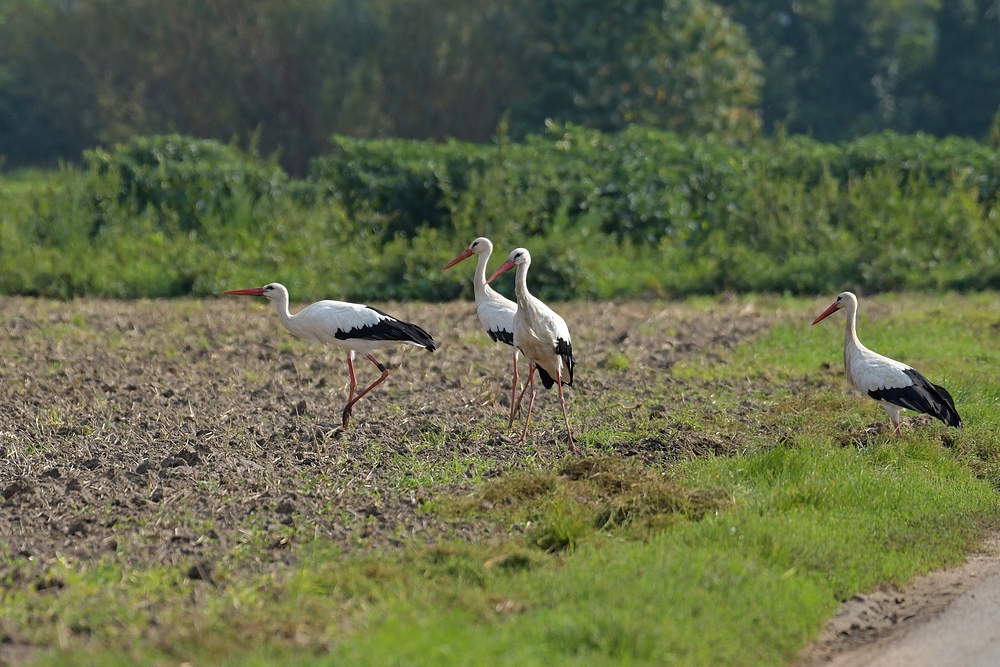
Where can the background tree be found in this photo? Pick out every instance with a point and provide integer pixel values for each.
(674, 64)
(841, 68)
(294, 72)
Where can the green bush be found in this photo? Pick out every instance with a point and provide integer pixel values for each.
(640, 213)
(183, 180)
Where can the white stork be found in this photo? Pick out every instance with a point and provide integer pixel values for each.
(893, 384)
(496, 313)
(542, 336)
(349, 326)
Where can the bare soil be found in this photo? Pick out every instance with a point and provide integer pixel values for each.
(178, 433)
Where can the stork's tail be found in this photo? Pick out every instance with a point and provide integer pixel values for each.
(414, 335)
(922, 396)
(391, 329)
(946, 408)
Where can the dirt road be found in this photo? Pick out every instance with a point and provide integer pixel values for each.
(944, 619)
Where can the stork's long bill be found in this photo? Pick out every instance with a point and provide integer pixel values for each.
(250, 291)
(465, 255)
(506, 266)
(826, 313)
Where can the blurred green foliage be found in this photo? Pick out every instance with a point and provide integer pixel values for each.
(183, 180)
(74, 75)
(638, 213)
(293, 72)
(838, 69)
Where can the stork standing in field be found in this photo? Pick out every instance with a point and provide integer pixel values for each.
(496, 313)
(542, 336)
(893, 384)
(349, 326)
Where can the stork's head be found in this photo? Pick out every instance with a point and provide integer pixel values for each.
(477, 247)
(844, 300)
(518, 257)
(271, 290)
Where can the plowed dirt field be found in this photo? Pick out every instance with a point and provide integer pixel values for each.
(175, 433)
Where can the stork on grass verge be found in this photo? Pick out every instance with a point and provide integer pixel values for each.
(542, 336)
(893, 384)
(496, 313)
(349, 326)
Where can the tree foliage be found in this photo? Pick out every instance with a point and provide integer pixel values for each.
(102, 71)
(841, 68)
(293, 73)
(679, 65)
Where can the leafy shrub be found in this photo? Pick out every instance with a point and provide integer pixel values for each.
(182, 179)
(403, 182)
(640, 213)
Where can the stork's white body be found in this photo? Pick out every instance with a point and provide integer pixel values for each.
(869, 371)
(496, 312)
(542, 336)
(322, 321)
(350, 326)
(540, 333)
(893, 384)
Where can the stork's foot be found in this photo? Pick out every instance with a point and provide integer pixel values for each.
(347, 415)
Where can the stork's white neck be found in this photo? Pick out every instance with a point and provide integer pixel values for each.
(852, 346)
(851, 324)
(521, 285)
(280, 301)
(479, 282)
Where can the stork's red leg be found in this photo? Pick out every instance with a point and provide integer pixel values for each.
(354, 380)
(898, 432)
(562, 401)
(513, 393)
(350, 403)
(531, 401)
(520, 398)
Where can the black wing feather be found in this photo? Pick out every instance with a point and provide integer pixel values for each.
(565, 350)
(501, 336)
(389, 328)
(547, 380)
(922, 396)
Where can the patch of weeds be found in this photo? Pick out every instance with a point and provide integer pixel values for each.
(614, 360)
(562, 526)
(582, 495)
(511, 562)
(518, 488)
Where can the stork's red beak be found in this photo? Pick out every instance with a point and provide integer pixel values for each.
(826, 313)
(467, 253)
(250, 291)
(506, 266)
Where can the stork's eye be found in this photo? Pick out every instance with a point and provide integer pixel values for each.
(268, 288)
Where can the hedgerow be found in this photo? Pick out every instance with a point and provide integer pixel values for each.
(638, 213)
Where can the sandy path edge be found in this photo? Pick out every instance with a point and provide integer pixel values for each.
(870, 626)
